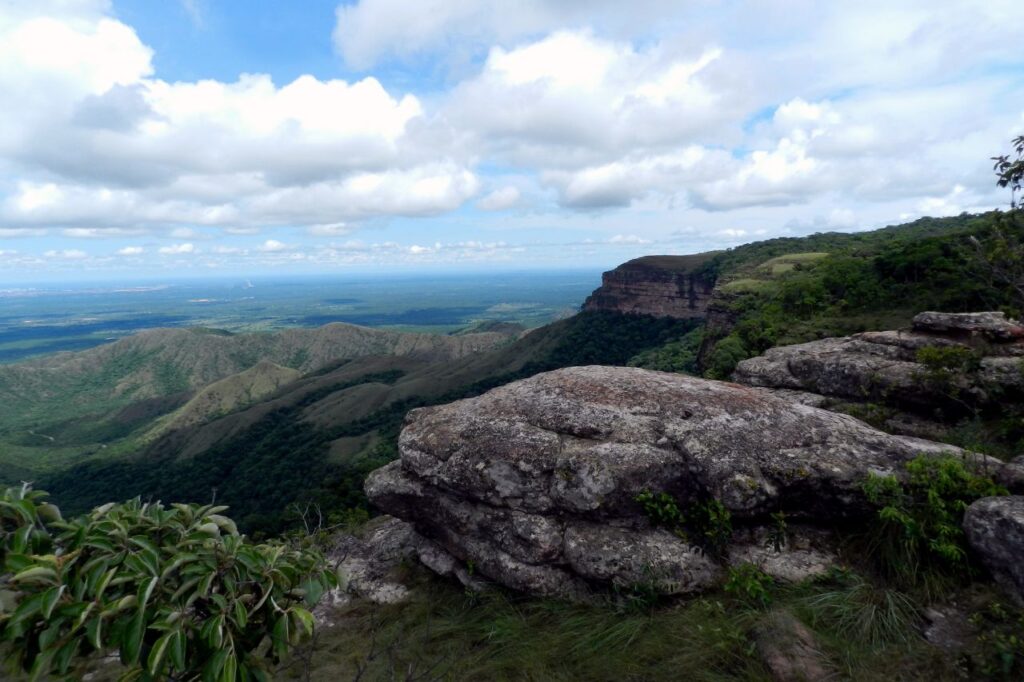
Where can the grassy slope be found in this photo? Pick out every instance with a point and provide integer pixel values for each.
(443, 633)
(58, 410)
(279, 450)
(230, 394)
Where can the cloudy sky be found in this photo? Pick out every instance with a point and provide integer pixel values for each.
(142, 138)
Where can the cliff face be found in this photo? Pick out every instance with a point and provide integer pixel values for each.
(663, 286)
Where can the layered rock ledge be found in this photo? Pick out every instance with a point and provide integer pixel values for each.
(884, 365)
(662, 286)
(534, 484)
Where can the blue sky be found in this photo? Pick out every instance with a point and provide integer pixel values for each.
(204, 137)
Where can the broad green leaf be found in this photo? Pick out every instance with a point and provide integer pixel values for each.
(241, 617)
(303, 618)
(48, 636)
(158, 652)
(18, 562)
(145, 591)
(178, 645)
(62, 659)
(27, 608)
(50, 599)
(281, 636)
(41, 666)
(230, 670)
(83, 614)
(132, 642)
(94, 631)
(314, 590)
(36, 574)
(211, 671)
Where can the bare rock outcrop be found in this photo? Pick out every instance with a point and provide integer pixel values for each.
(884, 366)
(991, 325)
(789, 649)
(534, 484)
(370, 564)
(995, 529)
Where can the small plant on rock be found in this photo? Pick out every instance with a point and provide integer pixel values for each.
(999, 653)
(749, 583)
(919, 535)
(707, 523)
(662, 510)
(711, 524)
(778, 534)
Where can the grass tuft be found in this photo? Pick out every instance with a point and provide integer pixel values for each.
(864, 613)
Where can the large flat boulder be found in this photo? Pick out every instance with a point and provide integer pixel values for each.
(885, 367)
(992, 325)
(534, 484)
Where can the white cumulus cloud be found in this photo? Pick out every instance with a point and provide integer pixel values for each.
(178, 249)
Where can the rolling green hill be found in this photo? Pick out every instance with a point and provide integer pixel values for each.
(64, 408)
(264, 421)
(314, 439)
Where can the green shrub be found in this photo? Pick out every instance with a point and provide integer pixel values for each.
(175, 591)
(999, 651)
(723, 359)
(778, 534)
(919, 535)
(661, 509)
(706, 523)
(749, 583)
(948, 359)
(711, 524)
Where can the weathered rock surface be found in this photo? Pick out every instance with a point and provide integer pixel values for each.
(534, 483)
(370, 564)
(367, 564)
(805, 552)
(995, 530)
(882, 366)
(663, 286)
(789, 650)
(991, 325)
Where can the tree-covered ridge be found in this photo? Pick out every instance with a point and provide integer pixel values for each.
(790, 290)
(281, 457)
(102, 403)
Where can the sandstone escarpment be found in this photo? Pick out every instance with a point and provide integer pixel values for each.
(663, 286)
(534, 484)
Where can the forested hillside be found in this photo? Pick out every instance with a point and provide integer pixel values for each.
(105, 402)
(317, 438)
(784, 291)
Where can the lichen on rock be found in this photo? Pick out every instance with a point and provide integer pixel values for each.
(534, 483)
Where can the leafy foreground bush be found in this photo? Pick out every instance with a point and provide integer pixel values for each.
(919, 538)
(174, 590)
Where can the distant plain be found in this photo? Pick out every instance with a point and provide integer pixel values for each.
(40, 319)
